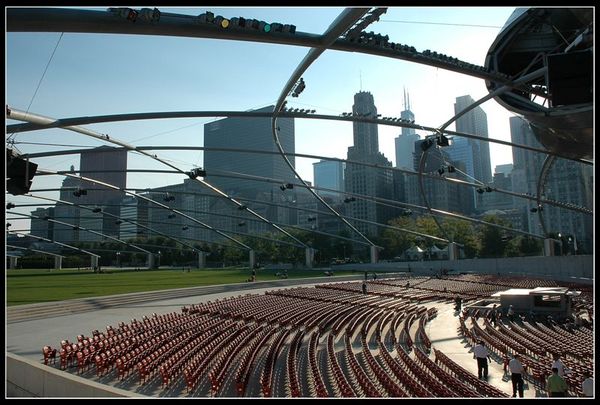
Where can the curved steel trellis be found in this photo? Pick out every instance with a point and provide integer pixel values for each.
(36, 250)
(512, 84)
(92, 21)
(546, 166)
(75, 226)
(76, 121)
(210, 213)
(80, 206)
(152, 202)
(559, 204)
(55, 242)
(29, 117)
(382, 201)
(260, 38)
(344, 21)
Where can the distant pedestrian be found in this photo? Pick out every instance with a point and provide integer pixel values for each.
(510, 313)
(558, 364)
(587, 386)
(556, 386)
(569, 325)
(457, 303)
(253, 275)
(493, 315)
(374, 276)
(578, 321)
(516, 375)
(481, 353)
(364, 287)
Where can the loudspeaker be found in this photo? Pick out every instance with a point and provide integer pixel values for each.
(19, 173)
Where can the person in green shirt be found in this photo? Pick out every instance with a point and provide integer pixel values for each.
(556, 386)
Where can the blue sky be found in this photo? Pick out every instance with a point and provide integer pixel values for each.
(95, 74)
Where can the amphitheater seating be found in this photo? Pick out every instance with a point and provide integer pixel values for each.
(352, 344)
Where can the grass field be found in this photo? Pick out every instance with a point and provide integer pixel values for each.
(32, 286)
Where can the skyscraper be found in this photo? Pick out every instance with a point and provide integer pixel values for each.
(106, 164)
(371, 181)
(405, 142)
(476, 153)
(188, 197)
(567, 182)
(109, 165)
(66, 213)
(41, 227)
(441, 194)
(330, 174)
(473, 153)
(250, 134)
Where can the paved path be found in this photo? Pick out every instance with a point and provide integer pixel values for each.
(443, 331)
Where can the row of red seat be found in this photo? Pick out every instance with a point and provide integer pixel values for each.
(481, 386)
(393, 388)
(368, 384)
(291, 366)
(248, 358)
(449, 380)
(419, 379)
(316, 383)
(220, 365)
(266, 378)
(343, 386)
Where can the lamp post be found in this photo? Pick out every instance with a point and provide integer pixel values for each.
(118, 259)
(158, 266)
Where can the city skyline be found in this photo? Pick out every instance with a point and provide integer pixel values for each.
(106, 74)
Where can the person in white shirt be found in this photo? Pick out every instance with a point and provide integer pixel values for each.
(510, 313)
(482, 355)
(587, 386)
(517, 371)
(562, 370)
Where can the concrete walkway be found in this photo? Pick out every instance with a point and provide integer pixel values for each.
(444, 333)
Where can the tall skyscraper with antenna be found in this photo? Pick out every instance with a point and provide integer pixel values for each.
(405, 142)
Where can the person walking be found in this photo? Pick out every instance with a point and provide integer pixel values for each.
(510, 313)
(562, 369)
(556, 386)
(457, 303)
(516, 375)
(481, 353)
(364, 287)
(587, 386)
(493, 315)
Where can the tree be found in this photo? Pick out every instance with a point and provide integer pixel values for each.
(523, 246)
(493, 239)
(234, 255)
(464, 233)
(394, 241)
(342, 248)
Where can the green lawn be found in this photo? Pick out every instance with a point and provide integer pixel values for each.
(25, 286)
